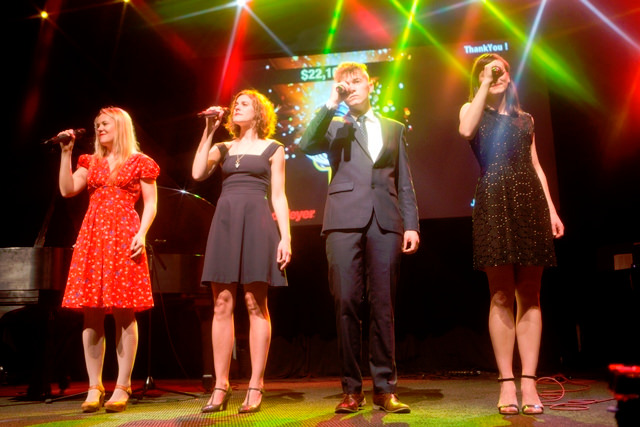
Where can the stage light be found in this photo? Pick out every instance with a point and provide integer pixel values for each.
(275, 38)
(611, 25)
(242, 3)
(527, 48)
(444, 51)
(44, 14)
(558, 71)
(337, 12)
(370, 24)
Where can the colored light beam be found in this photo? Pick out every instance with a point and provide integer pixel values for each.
(275, 38)
(39, 68)
(175, 42)
(372, 26)
(400, 53)
(230, 69)
(444, 51)
(202, 12)
(611, 25)
(449, 8)
(335, 19)
(527, 48)
(560, 72)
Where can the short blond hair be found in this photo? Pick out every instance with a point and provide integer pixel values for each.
(347, 68)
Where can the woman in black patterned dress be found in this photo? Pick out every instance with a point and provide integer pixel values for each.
(245, 247)
(514, 224)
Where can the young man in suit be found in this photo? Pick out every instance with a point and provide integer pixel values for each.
(370, 218)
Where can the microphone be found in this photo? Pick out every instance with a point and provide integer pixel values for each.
(496, 72)
(341, 90)
(65, 137)
(218, 115)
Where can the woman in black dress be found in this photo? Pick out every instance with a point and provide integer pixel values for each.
(245, 247)
(514, 224)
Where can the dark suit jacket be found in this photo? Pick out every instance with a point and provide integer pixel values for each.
(358, 185)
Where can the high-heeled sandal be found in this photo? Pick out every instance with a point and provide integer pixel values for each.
(247, 409)
(119, 405)
(219, 406)
(509, 408)
(529, 409)
(94, 405)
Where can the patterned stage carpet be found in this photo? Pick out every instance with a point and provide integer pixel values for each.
(435, 401)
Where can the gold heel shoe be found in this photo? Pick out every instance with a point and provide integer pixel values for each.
(222, 405)
(247, 409)
(119, 405)
(94, 405)
(531, 409)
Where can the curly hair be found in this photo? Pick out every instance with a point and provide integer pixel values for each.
(265, 115)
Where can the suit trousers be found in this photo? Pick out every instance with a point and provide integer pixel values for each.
(365, 262)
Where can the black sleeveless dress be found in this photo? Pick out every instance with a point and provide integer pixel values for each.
(243, 239)
(511, 222)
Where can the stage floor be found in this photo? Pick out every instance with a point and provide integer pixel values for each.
(434, 401)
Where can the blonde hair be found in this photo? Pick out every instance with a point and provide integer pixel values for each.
(265, 115)
(124, 143)
(350, 68)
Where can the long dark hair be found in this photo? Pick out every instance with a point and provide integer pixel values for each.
(511, 95)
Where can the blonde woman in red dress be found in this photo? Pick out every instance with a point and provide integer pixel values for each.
(109, 273)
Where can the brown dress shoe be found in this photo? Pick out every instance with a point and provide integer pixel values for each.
(389, 402)
(350, 403)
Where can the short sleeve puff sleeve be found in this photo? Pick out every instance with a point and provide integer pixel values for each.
(84, 161)
(149, 169)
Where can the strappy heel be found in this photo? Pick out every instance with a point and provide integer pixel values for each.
(220, 406)
(120, 405)
(529, 409)
(94, 405)
(509, 408)
(247, 409)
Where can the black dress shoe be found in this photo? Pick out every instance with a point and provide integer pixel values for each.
(389, 402)
(350, 403)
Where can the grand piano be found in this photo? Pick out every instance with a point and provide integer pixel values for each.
(32, 281)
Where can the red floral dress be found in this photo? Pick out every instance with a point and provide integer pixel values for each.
(102, 274)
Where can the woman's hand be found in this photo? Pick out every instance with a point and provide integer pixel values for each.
(284, 253)
(68, 145)
(214, 116)
(557, 227)
(137, 245)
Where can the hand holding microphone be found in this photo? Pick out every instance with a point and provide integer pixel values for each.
(496, 73)
(338, 94)
(65, 136)
(216, 113)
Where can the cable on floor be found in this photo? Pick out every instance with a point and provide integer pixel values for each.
(565, 386)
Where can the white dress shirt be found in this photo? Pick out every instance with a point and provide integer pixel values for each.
(374, 134)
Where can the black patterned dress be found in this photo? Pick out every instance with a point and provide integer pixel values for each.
(243, 240)
(511, 222)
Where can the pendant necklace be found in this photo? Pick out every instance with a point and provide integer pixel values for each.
(238, 158)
